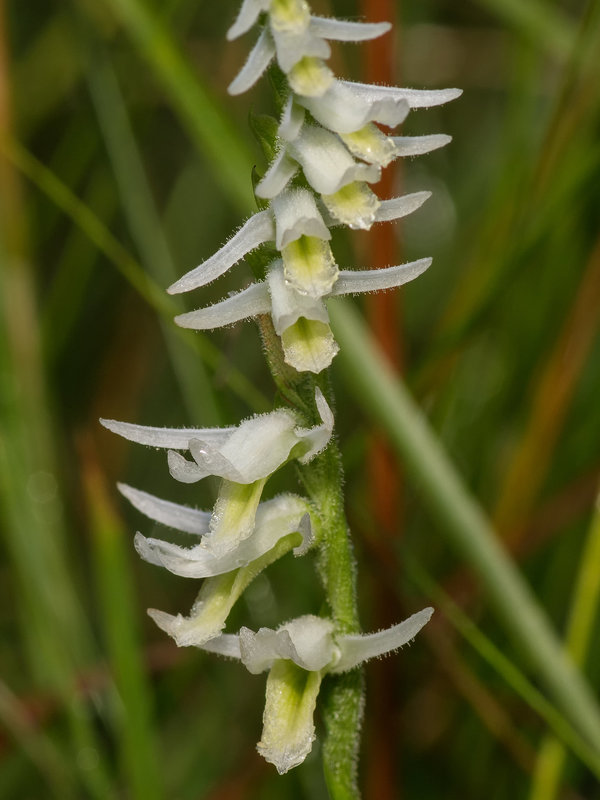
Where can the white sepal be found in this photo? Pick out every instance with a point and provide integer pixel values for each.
(416, 98)
(341, 30)
(245, 304)
(281, 170)
(397, 207)
(418, 145)
(247, 16)
(255, 231)
(292, 119)
(176, 438)
(181, 518)
(327, 164)
(258, 60)
(355, 650)
(274, 520)
(344, 111)
(378, 280)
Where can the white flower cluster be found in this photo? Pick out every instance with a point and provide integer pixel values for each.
(328, 139)
(330, 149)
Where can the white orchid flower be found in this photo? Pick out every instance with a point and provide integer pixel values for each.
(301, 321)
(297, 655)
(244, 456)
(293, 222)
(274, 520)
(282, 524)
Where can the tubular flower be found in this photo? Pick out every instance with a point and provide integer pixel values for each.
(297, 655)
(281, 525)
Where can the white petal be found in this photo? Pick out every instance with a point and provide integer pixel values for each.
(344, 111)
(292, 120)
(288, 726)
(275, 520)
(256, 63)
(281, 170)
(247, 16)
(327, 164)
(340, 30)
(249, 303)
(227, 644)
(288, 305)
(377, 280)
(258, 447)
(183, 470)
(307, 641)
(418, 145)
(416, 98)
(296, 215)
(177, 438)
(398, 207)
(356, 649)
(316, 438)
(293, 47)
(182, 518)
(254, 232)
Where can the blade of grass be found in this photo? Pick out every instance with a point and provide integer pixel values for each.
(583, 618)
(552, 395)
(214, 134)
(145, 226)
(38, 747)
(134, 723)
(506, 669)
(56, 635)
(51, 185)
(460, 518)
(542, 24)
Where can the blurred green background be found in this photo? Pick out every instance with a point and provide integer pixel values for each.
(123, 164)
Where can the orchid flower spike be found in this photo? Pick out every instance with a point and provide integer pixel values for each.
(297, 655)
(300, 320)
